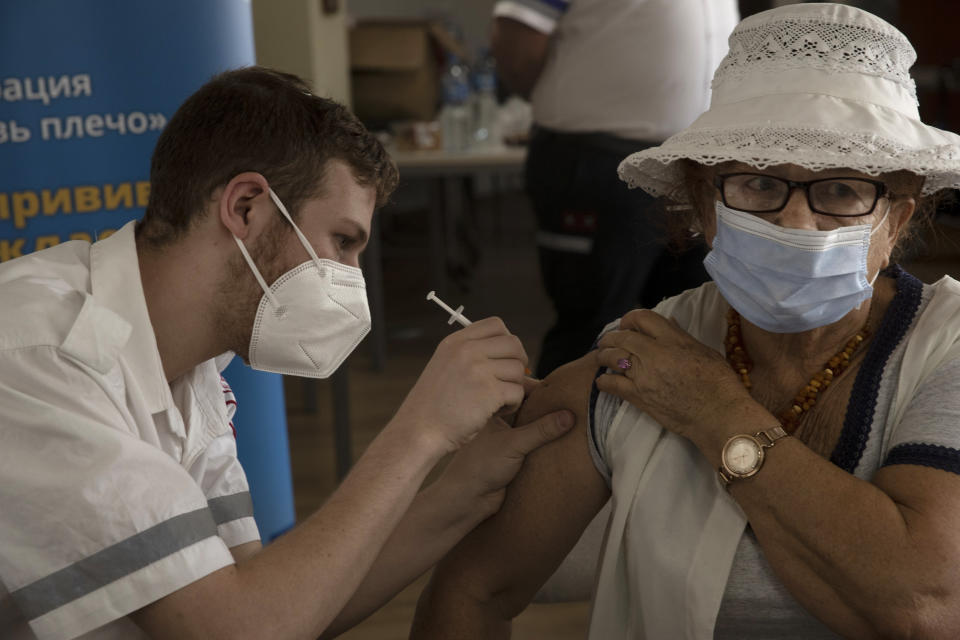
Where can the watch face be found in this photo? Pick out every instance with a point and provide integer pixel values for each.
(741, 455)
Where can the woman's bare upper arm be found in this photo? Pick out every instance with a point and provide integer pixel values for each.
(547, 506)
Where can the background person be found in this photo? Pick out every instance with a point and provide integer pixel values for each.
(123, 509)
(605, 78)
(787, 461)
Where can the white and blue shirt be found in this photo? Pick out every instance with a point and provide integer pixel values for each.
(116, 488)
(637, 69)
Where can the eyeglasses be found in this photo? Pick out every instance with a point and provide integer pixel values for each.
(761, 193)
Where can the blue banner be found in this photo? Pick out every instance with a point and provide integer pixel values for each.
(85, 89)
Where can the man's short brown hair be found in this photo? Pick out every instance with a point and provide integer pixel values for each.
(261, 120)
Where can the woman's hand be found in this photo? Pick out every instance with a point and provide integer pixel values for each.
(683, 384)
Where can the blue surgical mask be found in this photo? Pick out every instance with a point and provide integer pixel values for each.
(789, 280)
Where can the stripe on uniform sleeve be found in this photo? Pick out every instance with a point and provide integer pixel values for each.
(232, 507)
(116, 561)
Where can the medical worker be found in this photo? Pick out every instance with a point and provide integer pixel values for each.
(124, 512)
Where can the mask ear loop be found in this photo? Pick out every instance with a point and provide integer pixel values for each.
(873, 231)
(882, 220)
(303, 239)
(874, 278)
(256, 272)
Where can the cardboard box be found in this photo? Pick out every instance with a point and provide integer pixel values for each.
(395, 69)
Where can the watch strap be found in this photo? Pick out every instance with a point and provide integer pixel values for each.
(725, 477)
(768, 437)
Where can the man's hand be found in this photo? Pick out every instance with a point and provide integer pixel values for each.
(470, 489)
(491, 575)
(478, 475)
(474, 373)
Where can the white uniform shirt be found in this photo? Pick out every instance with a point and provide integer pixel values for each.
(638, 69)
(116, 488)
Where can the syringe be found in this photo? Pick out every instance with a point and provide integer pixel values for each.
(455, 316)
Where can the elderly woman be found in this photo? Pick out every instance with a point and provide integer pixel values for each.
(781, 446)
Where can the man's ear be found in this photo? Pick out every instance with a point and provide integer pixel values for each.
(244, 206)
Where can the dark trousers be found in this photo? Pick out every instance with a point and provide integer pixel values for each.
(601, 245)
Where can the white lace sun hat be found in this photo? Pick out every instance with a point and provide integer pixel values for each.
(817, 85)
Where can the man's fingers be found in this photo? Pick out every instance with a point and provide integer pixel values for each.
(498, 342)
(529, 384)
(508, 371)
(480, 329)
(542, 430)
(500, 347)
(496, 425)
(509, 414)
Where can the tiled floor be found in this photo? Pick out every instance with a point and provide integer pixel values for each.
(505, 282)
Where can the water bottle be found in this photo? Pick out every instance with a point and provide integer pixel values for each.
(456, 118)
(486, 130)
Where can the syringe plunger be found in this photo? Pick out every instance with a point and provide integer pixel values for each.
(455, 315)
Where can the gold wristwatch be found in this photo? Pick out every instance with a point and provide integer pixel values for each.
(742, 455)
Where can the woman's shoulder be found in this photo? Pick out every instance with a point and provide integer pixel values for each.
(946, 290)
(691, 308)
(932, 333)
(936, 327)
(940, 314)
(701, 311)
(697, 298)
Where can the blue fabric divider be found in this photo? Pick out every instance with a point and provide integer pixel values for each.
(264, 449)
(85, 89)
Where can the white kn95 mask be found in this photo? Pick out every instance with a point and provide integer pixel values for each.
(311, 318)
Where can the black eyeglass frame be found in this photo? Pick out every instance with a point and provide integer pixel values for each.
(882, 191)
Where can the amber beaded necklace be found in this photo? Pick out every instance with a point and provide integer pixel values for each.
(790, 417)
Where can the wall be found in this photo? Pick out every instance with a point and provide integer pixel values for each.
(297, 36)
(473, 16)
